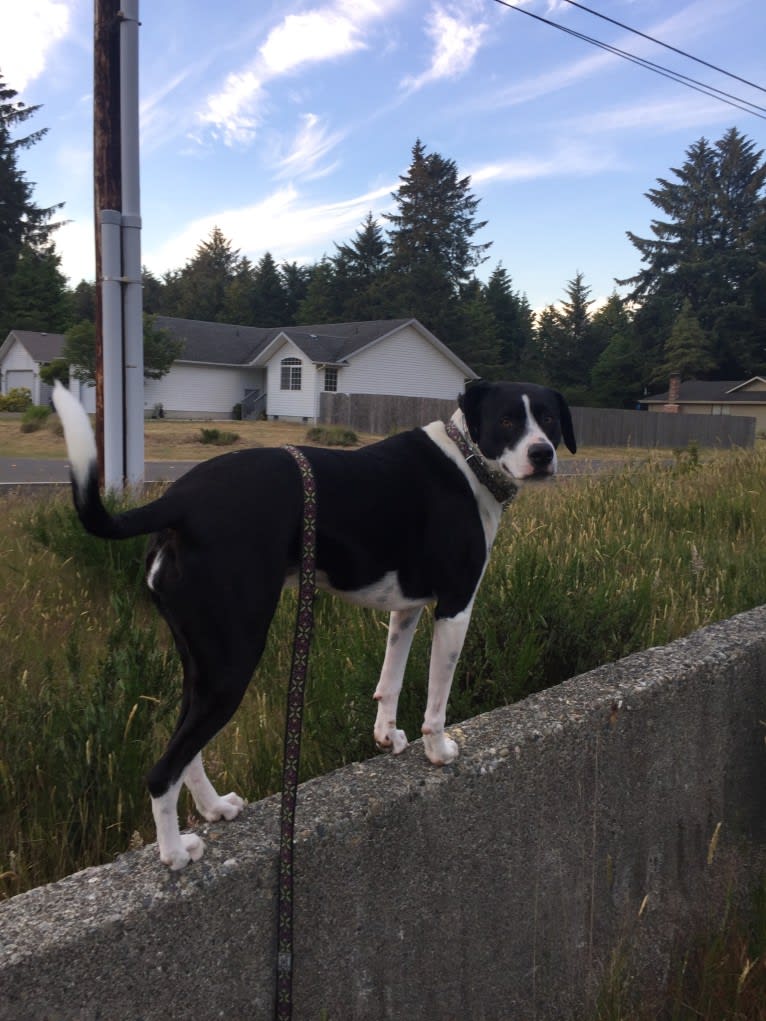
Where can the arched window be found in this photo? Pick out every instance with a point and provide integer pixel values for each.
(290, 378)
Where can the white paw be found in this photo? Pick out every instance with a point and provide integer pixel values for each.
(392, 738)
(228, 806)
(440, 749)
(190, 848)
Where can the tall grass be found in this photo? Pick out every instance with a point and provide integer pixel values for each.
(583, 572)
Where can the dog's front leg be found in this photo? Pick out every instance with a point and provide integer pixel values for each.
(401, 631)
(176, 849)
(449, 635)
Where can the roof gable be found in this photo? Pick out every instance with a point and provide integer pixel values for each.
(42, 347)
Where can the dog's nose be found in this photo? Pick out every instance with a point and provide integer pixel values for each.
(540, 456)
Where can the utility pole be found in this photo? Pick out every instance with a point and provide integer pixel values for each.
(119, 312)
(107, 173)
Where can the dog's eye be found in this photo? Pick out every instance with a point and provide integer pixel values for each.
(546, 420)
(506, 422)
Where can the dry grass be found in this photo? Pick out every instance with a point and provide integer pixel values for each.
(168, 440)
(164, 440)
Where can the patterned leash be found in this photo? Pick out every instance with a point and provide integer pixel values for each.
(303, 628)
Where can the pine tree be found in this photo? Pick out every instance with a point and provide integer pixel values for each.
(688, 349)
(359, 267)
(514, 319)
(36, 296)
(24, 226)
(432, 252)
(198, 291)
(709, 249)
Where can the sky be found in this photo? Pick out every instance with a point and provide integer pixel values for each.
(285, 122)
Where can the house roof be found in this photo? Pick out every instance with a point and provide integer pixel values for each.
(326, 343)
(41, 347)
(226, 344)
(698, 391)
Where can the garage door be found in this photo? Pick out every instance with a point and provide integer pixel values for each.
(19, 377)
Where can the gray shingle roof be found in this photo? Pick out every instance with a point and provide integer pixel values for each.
(43, 347)
(720, 391)
(223, 344)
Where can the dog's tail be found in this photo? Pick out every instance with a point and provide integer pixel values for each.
(83, 462)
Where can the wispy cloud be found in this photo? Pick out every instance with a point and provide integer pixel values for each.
(41, 24)
(311, 144)
(284, 223)
(565, 160)
(329, 32)
(456, 38)
(683, 111)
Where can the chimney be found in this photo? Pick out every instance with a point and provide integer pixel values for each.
(674, 392)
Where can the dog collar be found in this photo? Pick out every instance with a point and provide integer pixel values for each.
(500, 485)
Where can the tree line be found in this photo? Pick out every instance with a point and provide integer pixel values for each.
(697, 304)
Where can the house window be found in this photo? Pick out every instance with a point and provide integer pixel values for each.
(291, 374)
(331, 380)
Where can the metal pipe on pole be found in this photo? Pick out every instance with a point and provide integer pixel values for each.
(132, 292)
(119, 329)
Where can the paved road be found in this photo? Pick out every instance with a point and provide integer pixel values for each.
(25, 470)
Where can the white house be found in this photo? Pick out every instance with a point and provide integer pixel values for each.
(279, 371)
(283, 370)
(22, 354)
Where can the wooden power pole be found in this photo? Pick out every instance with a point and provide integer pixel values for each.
(107, 173)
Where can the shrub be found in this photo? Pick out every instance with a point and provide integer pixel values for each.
(17, 399)
(332, 436)
(218, 437)
(35, 417)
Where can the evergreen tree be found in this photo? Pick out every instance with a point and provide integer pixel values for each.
(514, 320)
(479, 343)
(295, 281)
(688, 349)
(709, 249)
(24, 226)
(269, 293)
(240, 301)
(616, 375)
(565, 344)
(198, 291)
(36, 296)
(324, 299)
(432, 252)
(359, 267)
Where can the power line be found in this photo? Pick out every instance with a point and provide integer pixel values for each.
(659, 42)
(737, 102)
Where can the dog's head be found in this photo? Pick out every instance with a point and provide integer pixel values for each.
(518, 426)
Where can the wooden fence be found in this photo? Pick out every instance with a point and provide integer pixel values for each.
(381, 414)
(612, 427)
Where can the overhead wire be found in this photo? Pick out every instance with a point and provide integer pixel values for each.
(706, 89)
(667, 46)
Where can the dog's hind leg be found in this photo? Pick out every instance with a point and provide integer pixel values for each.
(218, 663)
(401, 631)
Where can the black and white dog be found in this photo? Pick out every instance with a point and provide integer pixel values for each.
(400, 523)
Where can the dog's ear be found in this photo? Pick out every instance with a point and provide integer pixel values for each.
(567, 429)
(470, 404)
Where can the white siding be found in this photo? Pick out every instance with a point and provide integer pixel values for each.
(19, 369)
(292, 404)
(201, 389)
(405, 364)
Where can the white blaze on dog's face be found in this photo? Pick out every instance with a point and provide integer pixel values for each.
(518, 426)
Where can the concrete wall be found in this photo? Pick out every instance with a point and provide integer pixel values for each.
(575, 824)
